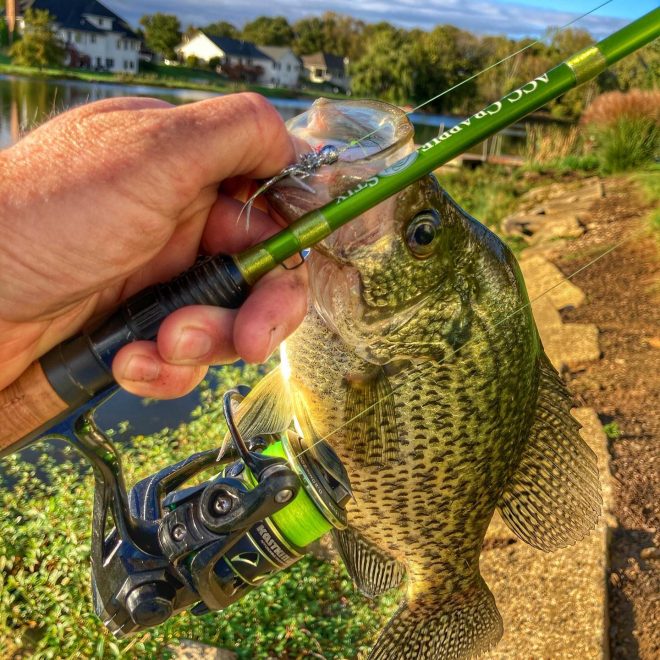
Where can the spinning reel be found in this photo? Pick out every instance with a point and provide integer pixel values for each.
(162, 548)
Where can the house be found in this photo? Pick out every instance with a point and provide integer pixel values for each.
(284, 68)
(327, 68)
(242, 60)
(94, 36)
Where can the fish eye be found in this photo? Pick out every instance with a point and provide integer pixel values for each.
(422, 233)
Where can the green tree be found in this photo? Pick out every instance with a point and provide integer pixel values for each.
(386, 68)
(640, 70)
(162, 33)
(309, 35)
(443, 58)
(222, 29)
(269, 31)
(39, 46)
(331, 33)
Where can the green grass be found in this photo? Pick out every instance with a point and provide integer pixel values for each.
(45, 601)
(489, 193)
(627, 144)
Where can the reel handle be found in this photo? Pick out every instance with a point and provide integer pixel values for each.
(76, 370)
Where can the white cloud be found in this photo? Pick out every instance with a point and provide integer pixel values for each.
(475, 15)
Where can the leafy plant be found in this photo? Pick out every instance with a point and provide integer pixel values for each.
(40, 45)
(612, 430)
(45, 602)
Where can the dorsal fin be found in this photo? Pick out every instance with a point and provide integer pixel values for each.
(553, 498)
(372, 430)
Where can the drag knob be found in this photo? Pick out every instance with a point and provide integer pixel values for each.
(150, 604)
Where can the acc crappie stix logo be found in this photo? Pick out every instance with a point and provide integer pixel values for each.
(392, 170)
(491, 110)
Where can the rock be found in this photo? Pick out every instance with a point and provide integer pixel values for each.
(187, 649)
(650, 553)
(540, 275)
(561, 226)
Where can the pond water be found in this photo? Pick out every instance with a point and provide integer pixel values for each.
(27, 102)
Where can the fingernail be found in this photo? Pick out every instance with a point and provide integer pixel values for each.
(141, 369)
(192, 344)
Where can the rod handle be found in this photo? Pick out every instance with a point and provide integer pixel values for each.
(79, 368)
(26, 405)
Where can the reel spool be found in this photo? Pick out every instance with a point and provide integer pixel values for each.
(204, 546)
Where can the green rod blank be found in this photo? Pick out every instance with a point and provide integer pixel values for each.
(319, 224)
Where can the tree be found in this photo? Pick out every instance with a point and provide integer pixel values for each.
(269, 31)
(222, 29)
(386, 69)
(39, 46)
(309, 36)
(162, 33)
(445, 57)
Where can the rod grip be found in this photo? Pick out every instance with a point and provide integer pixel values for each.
(25, 406)
(81, 367)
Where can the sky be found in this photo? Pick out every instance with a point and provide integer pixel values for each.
(517, 19)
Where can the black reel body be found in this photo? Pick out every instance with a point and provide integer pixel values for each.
(206, 546)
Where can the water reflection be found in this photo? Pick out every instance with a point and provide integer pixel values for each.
(28, 102)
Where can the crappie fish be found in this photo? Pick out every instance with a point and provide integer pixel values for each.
(420, 364)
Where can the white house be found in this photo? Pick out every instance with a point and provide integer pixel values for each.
(284, 68)
(95, 37)
(269, 65)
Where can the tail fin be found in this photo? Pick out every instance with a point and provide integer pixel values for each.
(426, 629)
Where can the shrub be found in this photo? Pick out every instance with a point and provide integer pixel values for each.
(192, 61)
(625, 128)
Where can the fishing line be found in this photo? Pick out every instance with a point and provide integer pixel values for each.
(421, 368)
(553, 33)
(311, 161)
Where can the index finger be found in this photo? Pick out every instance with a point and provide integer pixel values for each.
(238, 134)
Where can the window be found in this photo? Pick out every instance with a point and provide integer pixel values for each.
(69, 36)
(109, 63)
(92, 38)
(118, 44)
(131, 65)
(101, 22)
(78, 38)
(99, 62)
(125, 45)
(288, 67)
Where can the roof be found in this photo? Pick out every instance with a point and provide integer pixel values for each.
(276, 52)
(69, 14)
(327, 60)
(237, 47)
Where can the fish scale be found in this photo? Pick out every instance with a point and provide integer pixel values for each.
(420, 364)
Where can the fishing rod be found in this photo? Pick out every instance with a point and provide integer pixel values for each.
(72, 375)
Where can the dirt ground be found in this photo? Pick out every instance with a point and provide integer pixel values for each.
(623, 300)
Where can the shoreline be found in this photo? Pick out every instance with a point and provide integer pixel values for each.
(154, 80)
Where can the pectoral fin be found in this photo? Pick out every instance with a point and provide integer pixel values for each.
(553, 499)
(373, 572)
(371, 419)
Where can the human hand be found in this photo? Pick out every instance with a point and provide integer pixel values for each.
(111, 197)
